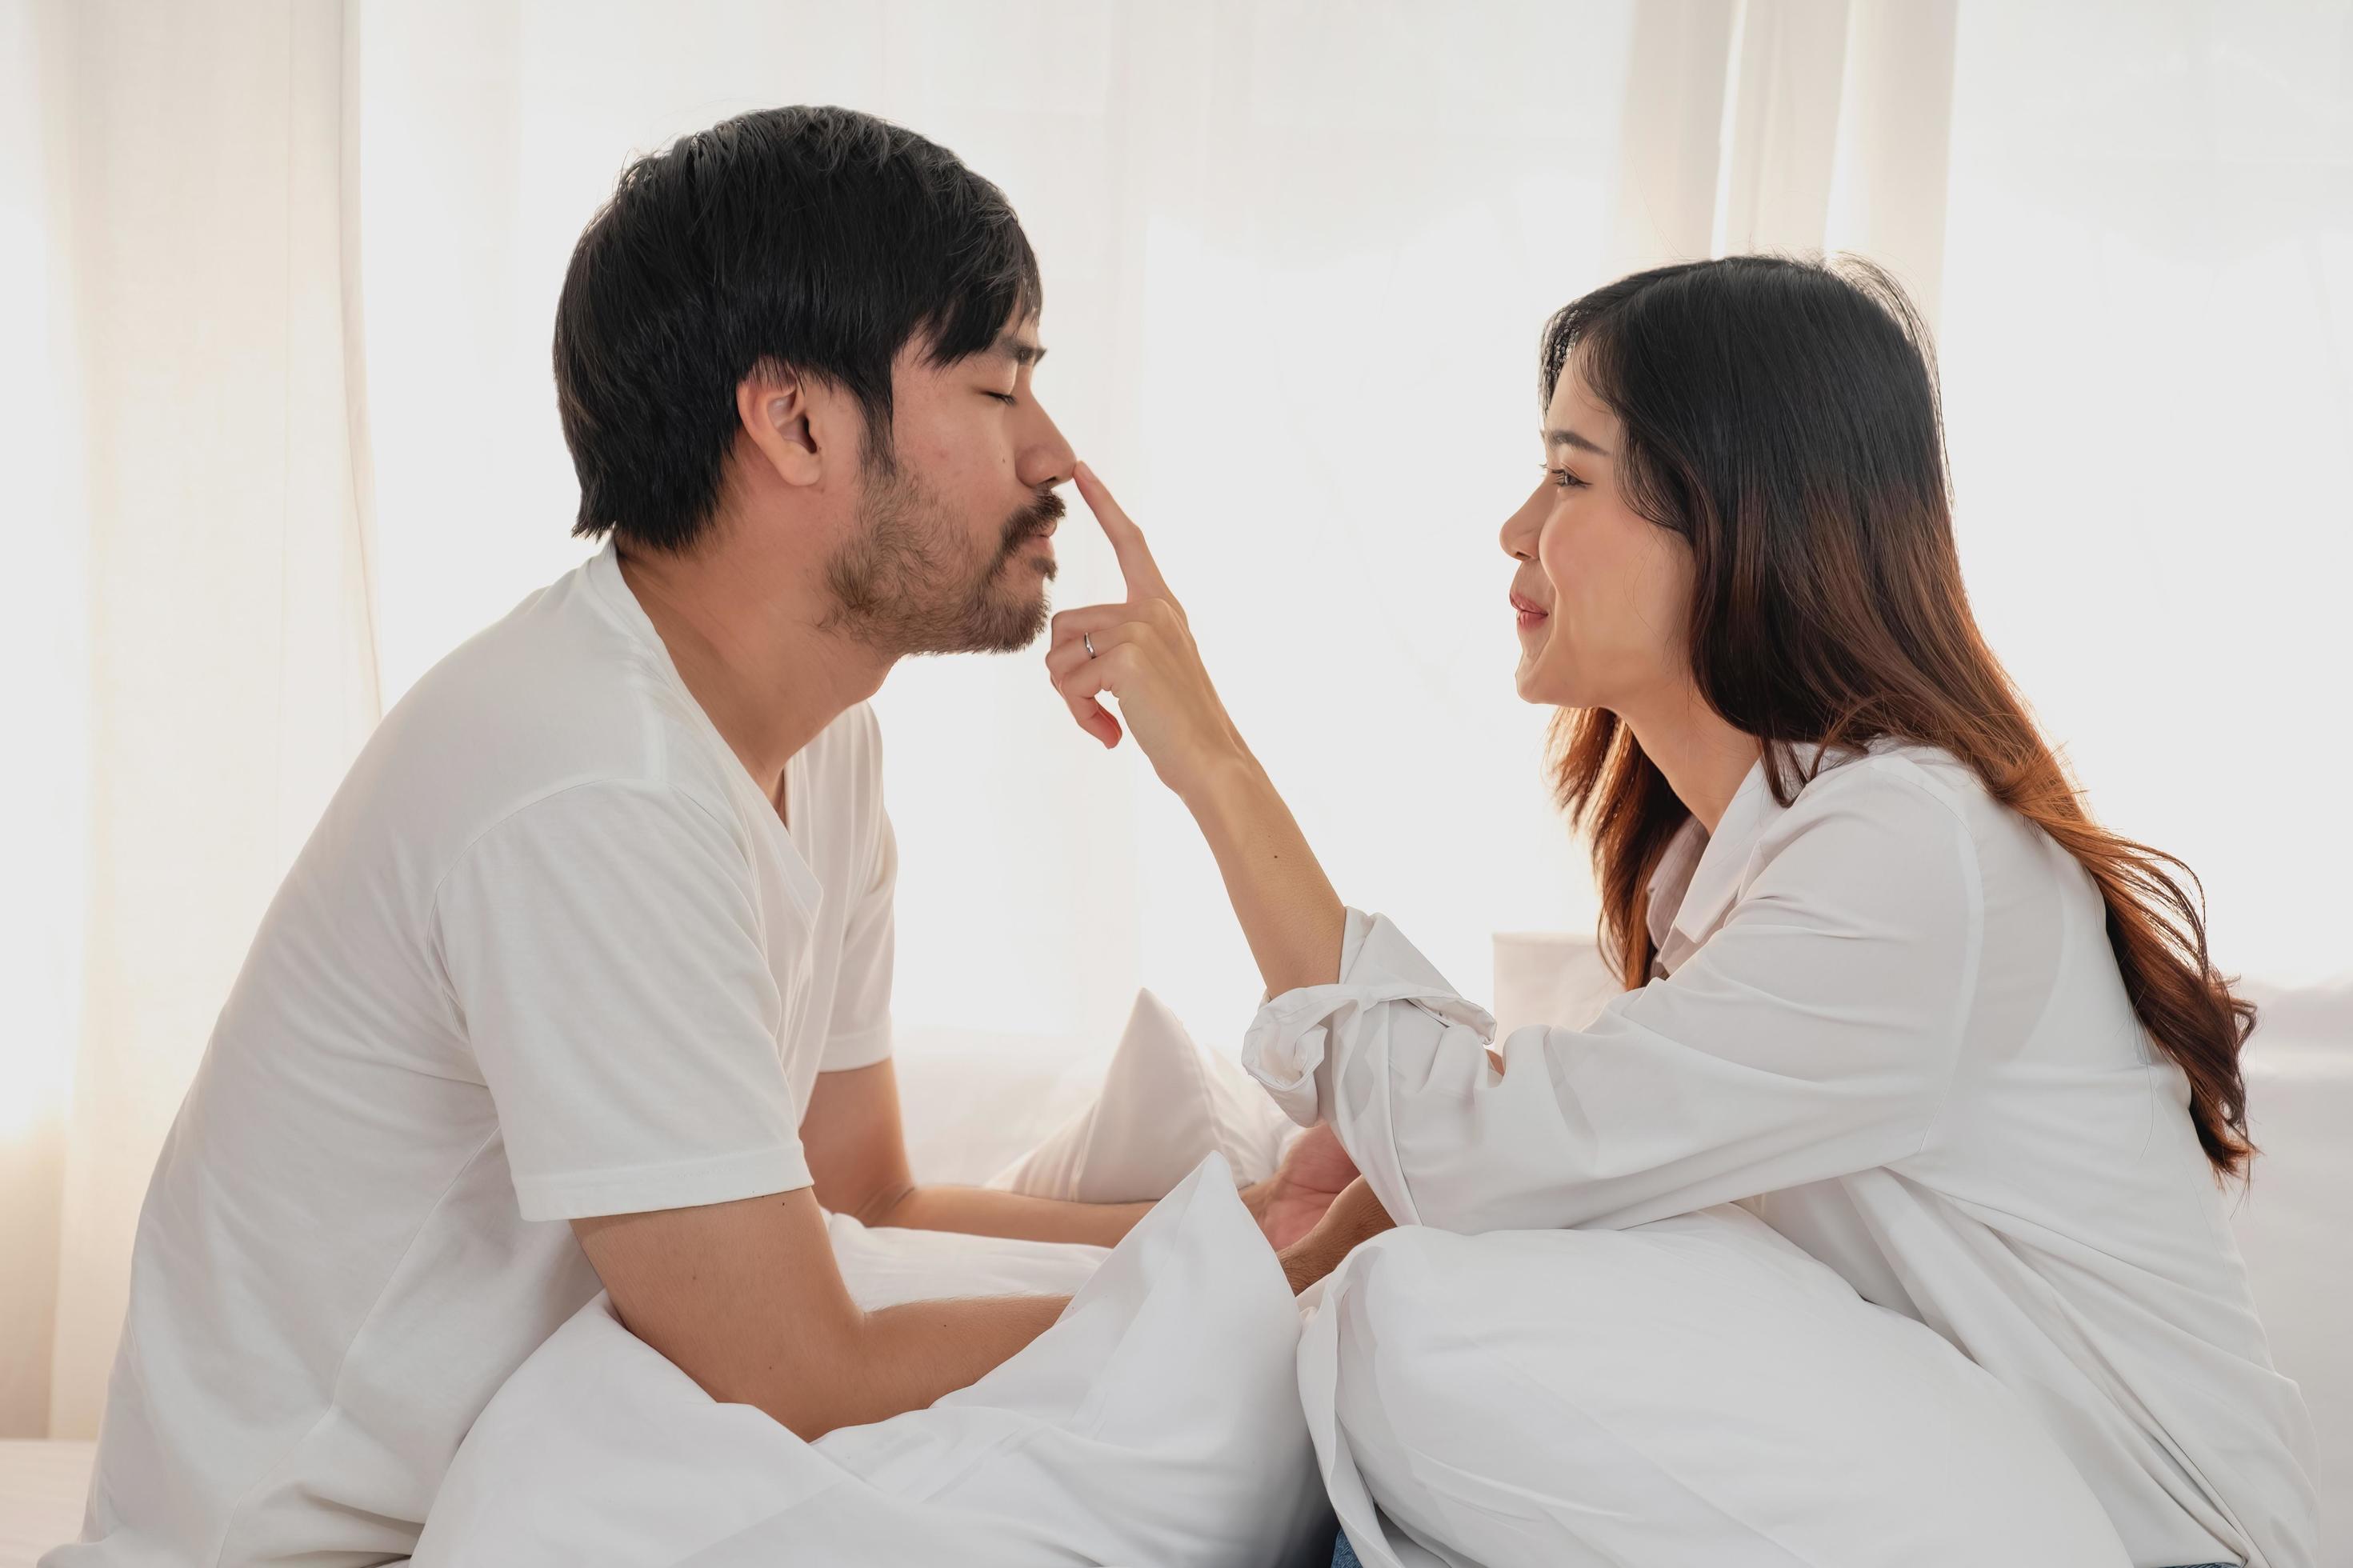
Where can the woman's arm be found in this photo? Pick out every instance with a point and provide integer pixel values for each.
(1285, 904)
(1814, 1034)
(1142, 652)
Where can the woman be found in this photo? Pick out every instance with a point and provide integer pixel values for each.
(1889, 988)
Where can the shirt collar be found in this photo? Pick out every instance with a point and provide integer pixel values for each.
(1670, 880)
(1699, 874)
(1722, 856)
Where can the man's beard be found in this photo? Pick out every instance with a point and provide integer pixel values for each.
(907, 583)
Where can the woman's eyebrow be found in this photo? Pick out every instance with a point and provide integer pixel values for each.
(1571, 438)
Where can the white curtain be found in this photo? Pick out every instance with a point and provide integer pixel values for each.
(2148, 349)
(188, 624)
(1296, 255)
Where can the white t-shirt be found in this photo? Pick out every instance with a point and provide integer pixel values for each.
(550, 954)
(1887, 1020)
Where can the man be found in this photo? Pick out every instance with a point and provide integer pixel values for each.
(584, 977)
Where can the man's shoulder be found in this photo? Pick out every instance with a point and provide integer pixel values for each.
(548, 699)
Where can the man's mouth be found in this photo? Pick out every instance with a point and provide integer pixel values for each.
(1037, 521)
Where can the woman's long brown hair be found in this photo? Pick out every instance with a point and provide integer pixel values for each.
(1782, 416)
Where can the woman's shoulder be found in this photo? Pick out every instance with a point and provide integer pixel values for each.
(1911, 789)
(1895, 778)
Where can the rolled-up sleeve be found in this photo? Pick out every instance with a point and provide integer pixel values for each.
(1814, 1034)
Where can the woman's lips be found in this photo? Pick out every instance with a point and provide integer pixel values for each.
(1529, 614)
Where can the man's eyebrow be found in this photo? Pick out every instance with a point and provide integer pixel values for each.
(1017, 351)
(1571, 438)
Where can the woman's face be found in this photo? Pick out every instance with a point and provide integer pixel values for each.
(1602, 594)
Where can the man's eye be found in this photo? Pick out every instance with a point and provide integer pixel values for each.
(1007, 398)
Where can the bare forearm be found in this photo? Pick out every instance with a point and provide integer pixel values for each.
(902, 1358)
(985, 1211)
(1294, 920)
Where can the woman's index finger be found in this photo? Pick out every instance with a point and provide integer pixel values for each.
(1136, 562)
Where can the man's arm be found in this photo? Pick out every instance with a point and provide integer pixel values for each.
(746, 1299)
(856, 1149)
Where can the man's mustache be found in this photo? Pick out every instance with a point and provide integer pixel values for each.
(1033, 519)
(1028, 523)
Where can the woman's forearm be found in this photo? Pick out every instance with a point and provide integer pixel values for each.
(1292, 918)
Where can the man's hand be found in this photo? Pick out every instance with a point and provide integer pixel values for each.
(1355, 1216)
(1314, 1171)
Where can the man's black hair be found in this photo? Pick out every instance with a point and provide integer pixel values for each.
(817, 239)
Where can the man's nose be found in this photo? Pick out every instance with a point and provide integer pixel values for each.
(1045, 459)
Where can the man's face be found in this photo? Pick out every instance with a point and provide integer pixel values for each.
(952, 547)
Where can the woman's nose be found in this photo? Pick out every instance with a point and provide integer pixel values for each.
(1521, 529)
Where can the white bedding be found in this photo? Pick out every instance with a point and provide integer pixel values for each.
(1697, 1390)
(1157, 1421)
(974, 1102)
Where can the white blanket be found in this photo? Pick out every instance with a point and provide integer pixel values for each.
(1697, 1390)
(1157, 1421)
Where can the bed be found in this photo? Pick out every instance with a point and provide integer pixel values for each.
(973, 1102)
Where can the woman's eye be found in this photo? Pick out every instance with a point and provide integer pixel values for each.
(1563, 480)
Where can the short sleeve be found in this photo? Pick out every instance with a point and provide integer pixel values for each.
(858, 1033)
(603, 947)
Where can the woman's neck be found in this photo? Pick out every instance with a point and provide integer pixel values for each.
(1702, 755)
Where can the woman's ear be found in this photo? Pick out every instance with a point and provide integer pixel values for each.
(773, 406)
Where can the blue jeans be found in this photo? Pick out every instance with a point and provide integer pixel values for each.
(1345, 1556)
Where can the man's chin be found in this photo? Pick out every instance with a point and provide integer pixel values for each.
(1027, 626)
(1009, 621)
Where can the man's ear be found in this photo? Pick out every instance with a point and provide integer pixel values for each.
(776, 410)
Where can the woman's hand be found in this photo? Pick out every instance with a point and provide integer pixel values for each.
(1141, 651)
(1142, 654)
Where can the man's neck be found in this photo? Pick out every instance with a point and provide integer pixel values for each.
(753, 653)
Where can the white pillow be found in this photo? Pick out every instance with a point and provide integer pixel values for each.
(1698, 1390)
(1157, 1421)
(1164, 1103)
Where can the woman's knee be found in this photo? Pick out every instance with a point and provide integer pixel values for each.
(1601, 1396)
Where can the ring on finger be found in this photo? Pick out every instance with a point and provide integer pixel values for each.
(1087, 639)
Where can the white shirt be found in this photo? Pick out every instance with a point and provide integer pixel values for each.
(1891, 1024)
(550, 954)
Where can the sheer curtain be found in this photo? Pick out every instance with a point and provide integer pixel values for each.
(2148, 377)
(188, 615)
(1296, 256)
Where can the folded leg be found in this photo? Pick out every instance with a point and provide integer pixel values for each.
(1697, 1391)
